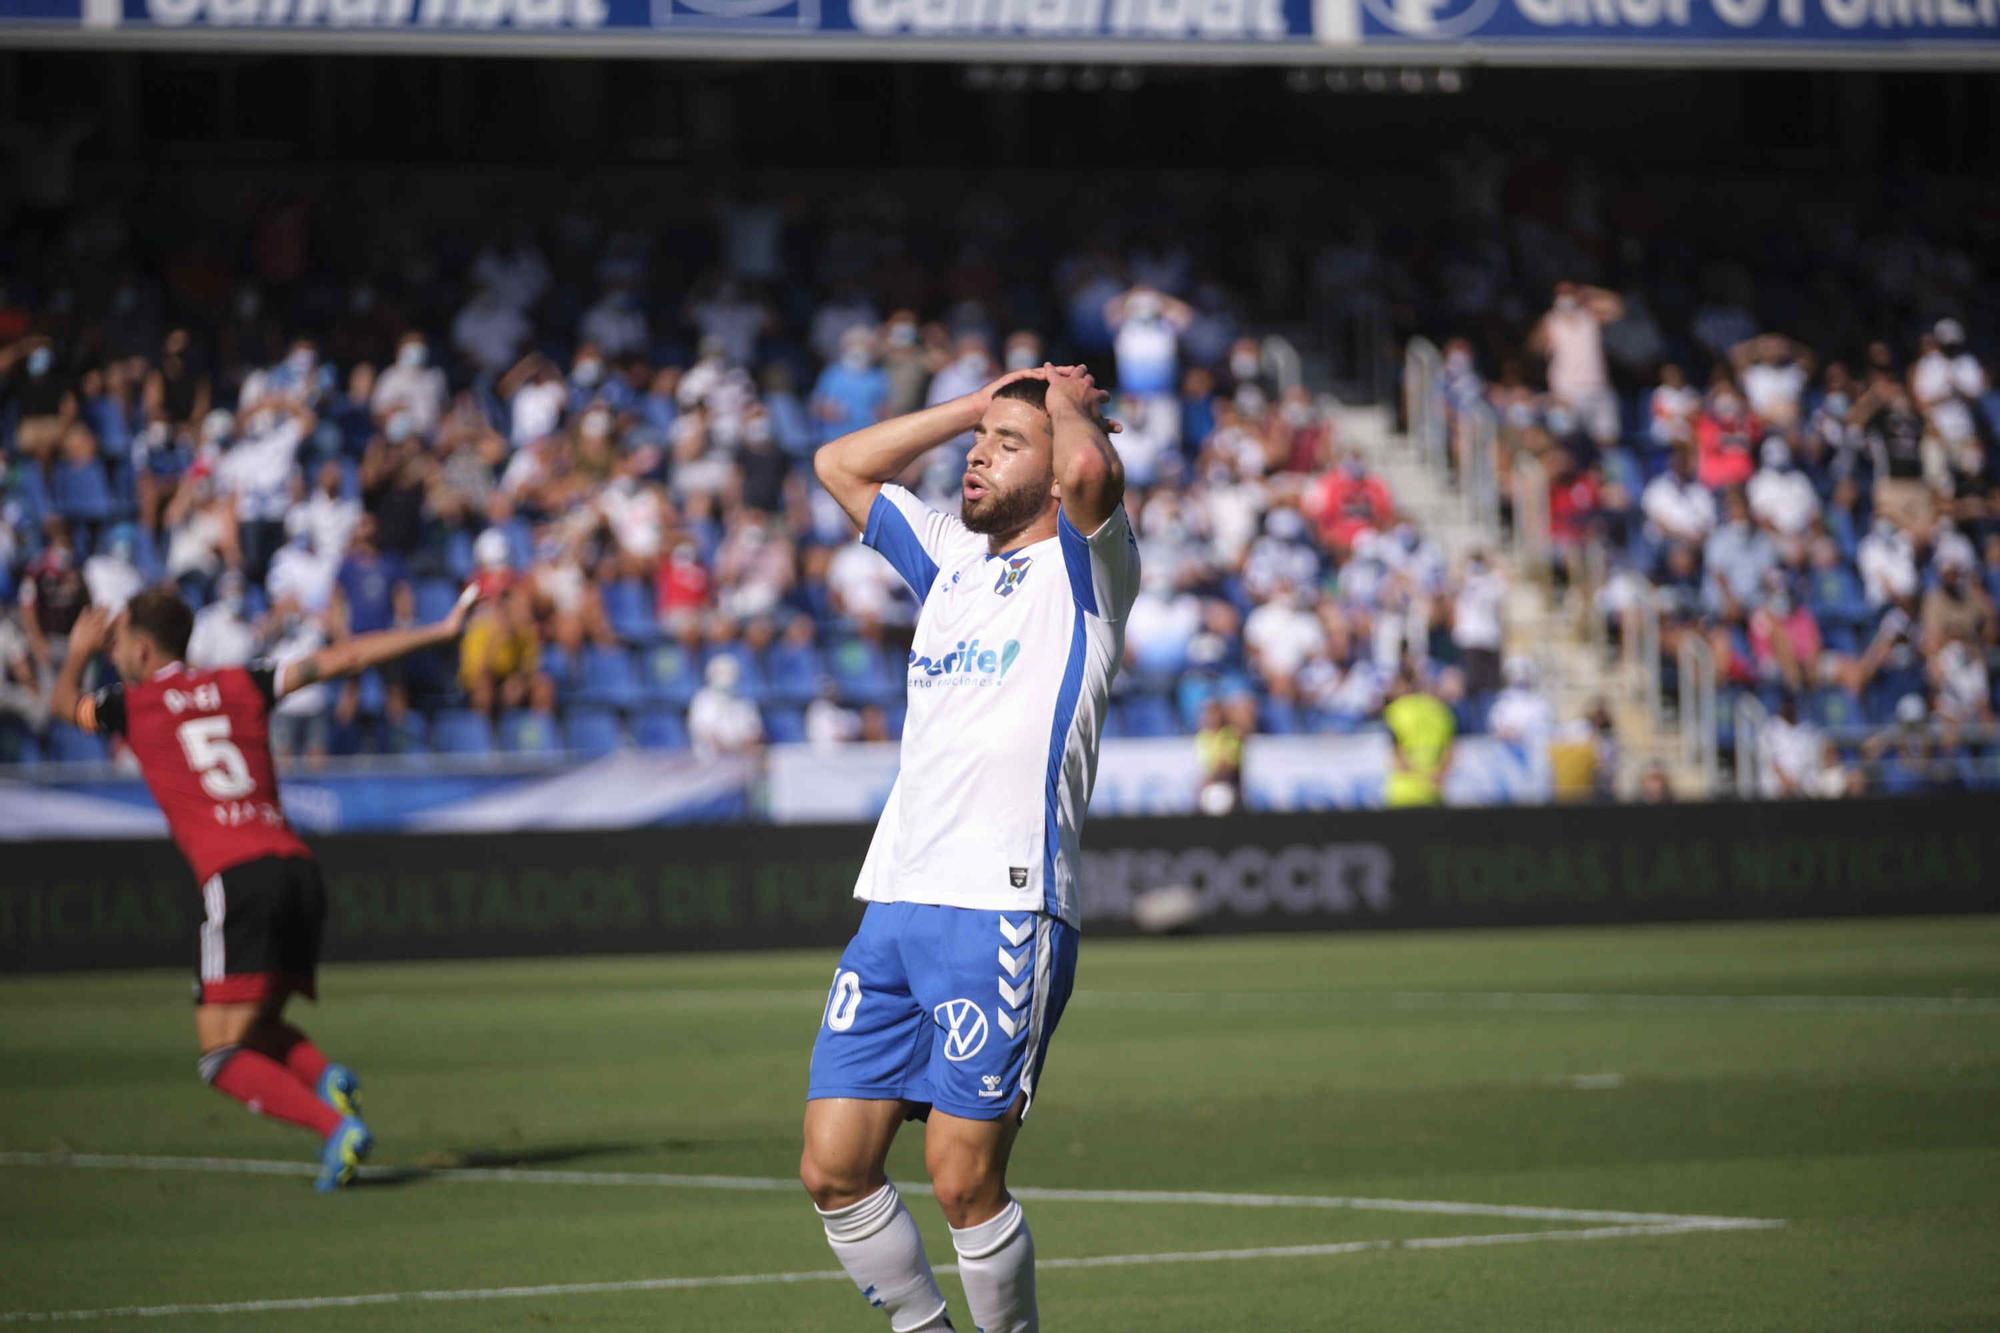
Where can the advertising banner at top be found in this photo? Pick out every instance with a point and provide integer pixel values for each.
(1107, 21)
(1656, 32)
(1504, 23)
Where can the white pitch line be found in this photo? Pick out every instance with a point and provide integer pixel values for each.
(777, 1184)
(1292, 1252)
(1543, 1002)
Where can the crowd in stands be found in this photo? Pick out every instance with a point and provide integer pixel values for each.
(623, 464)
(1823, 511)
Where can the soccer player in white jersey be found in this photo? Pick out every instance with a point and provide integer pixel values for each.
(943, 1004)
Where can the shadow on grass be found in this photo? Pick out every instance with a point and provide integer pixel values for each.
(471, 1159)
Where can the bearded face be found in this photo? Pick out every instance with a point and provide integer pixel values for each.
(1010, 473)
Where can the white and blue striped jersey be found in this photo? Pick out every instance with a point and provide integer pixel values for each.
(1009, 675)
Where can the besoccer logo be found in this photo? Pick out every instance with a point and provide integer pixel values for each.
(1012, 571)
(965, 1029)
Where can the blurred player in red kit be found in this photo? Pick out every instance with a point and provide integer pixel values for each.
(203, 746)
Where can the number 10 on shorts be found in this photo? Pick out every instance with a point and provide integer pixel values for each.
(843, 1001)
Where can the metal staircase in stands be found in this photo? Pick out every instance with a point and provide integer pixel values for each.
(1442, 477)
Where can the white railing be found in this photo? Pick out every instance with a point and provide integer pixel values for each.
(1751, 754)
(1423, 404)
(1700, 738)
(1282, 360)
(1478, 467)
(1530, 483)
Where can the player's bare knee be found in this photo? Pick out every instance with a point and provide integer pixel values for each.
(967, 1193)
(835, 1184)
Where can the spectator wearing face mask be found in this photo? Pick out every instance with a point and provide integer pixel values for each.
(412, 386)
(1570, 337)
(903, 362)
(1146, 327)
(720, 721)
(1737, 557)
(1727, 433)
(1348, 500)
(1948, 383)
(224, 634)
(853, 392)
(1678, 508)
(1893, 430)
(1956, 609)
(256, 473)
(1671, 409)
(110, 574)
(1774, 371)
(1476, 611)
(39, 395)
(300, 378)
(1781, 496)
(536, 397)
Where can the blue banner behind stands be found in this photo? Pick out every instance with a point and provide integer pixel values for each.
(1446, 31)
(1723, 22)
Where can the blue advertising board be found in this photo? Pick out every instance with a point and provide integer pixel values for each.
(1248, 21)
(1673, 33)
(1723, 22)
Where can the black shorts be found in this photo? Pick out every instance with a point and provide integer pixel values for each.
(260, 932)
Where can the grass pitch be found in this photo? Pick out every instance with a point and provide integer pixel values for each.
(1842, 1079)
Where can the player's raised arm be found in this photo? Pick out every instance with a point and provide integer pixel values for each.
(363, 651)
(1087, 467)
(855, 467)
(86, 639)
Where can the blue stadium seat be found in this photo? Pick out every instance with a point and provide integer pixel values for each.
(434, 599)
(784, 726)
(461, 731)
(630, 611)
(792, 673)
(17, 743)
(1278, 717)
(862, 674)
(67, 745)
(1145, 715)
(371, 696)
(592, 731)
(409, 736)
(671, 674)
(559, 666)
(524, 731)
(458, 559)
(659, 727)
(608, 676)
(751, 682)
(81, 492)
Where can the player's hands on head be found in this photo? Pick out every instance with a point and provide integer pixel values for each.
(1076, 386)
(91, 631)
(985, 395)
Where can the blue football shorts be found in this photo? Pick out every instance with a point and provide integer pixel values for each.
(945, 1006)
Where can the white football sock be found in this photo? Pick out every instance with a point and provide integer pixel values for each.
(877, 1242)
(996, 1262)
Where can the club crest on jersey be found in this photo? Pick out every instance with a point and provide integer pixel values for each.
(965, 1029)
(1012, 570)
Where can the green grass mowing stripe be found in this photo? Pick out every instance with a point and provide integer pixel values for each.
(1031, 1193)
(1269, 1252)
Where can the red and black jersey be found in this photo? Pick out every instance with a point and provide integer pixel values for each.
(202, 739)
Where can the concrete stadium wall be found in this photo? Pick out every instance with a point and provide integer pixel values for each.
(69, 905)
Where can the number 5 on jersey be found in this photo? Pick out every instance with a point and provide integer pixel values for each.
(214, 757)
